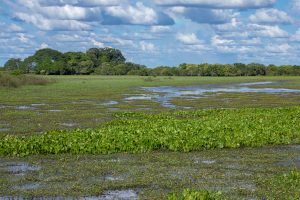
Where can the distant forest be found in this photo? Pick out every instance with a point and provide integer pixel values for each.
(109, 61)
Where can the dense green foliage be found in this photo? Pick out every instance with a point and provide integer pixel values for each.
(104, 61)
(109, 61)
(182, 131)
(7, 80)
(188, 194)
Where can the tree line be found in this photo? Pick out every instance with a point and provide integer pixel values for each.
(103, 61)
(110, 61)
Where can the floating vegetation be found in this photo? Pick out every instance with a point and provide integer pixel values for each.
(181, 131)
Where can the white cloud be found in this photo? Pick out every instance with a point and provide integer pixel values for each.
(296, 5)
(15, 28)
(160, 29)
(217, 41)
(270, 16)
(84, 3)
(188, 38)
(209, 16)
(296, 36)
(267, 31)
(226, 4)
(279, 48)
(23, 38)
(62, 12)
(97, 43)
(147, 46)
(139, 14)
(46, 24)
(44, 45)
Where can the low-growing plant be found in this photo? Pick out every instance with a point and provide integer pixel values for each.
(181, 131)
(189, 194)
(17, 80)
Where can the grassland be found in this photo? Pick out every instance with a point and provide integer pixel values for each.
(77, 101)
(146, 143)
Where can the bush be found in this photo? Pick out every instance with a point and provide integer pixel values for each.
(16, 80)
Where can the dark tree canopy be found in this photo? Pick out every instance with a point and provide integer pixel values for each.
(109, 61)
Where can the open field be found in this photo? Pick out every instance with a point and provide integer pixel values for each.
(151, 136)
(87, 101)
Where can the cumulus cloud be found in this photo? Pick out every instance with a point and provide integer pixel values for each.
(47, 24)
(225, 4)
(270, 16)
(82, 3)
(268, 31)
(63, 12)
(139, 14)
(209, 16)
(73, 15)
(188, 38)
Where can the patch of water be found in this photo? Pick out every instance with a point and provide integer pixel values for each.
(55, 110)
(116, 194)
(164, 94)
(257, 83)
(68, 124)
(247, 186)
(21, 168)
(109, 103)
(38, 104)
(4, 129)
(24, 107)
(4, 106)
(29, 186)
(142, 97)
(207, 162)
(113, 178)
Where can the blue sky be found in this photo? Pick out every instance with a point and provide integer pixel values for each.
(158, 32)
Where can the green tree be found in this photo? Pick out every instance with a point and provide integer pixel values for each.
(13, 64)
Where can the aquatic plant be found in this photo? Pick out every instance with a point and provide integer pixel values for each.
(181, 131)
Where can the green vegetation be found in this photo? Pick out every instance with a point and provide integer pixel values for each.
(182, 131)
(284, 186)
(234, 172)
(188, 194)
(104, 61)
(109, 61)
(163, 135)
(79, 99)
(14, 81)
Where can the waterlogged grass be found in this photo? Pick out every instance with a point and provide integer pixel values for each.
(181, 131)
(244, 173)
(80, 100)
(284, 186)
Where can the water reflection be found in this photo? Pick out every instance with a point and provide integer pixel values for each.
(164, 94)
